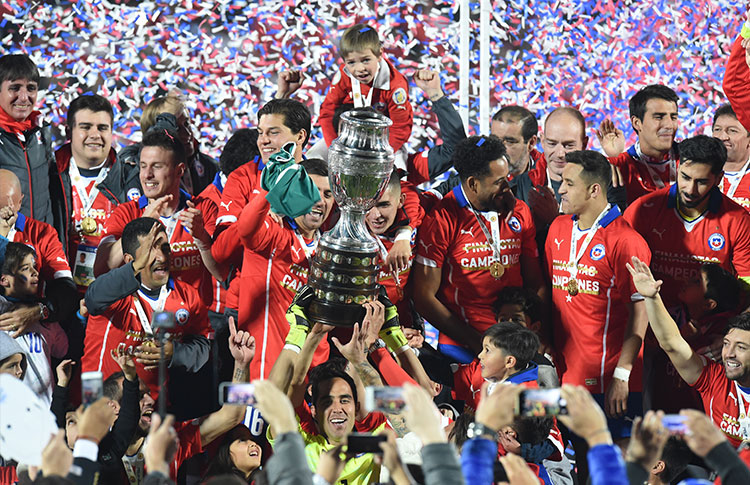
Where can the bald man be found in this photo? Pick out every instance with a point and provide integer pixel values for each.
(57, 293)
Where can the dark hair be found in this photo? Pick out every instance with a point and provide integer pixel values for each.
(722, 287)
(740, 322)
(15, 253)
(18, 66)
(726, 110)
(91, 102)
(112, 386)
(315, 166)
(639, 100)
(359, 37)
(460, 427)
(676, 457)
(703, 149)
(135, 229)
(239, 149)
(596, 168)
(296, 115)
(529, 301)
(394, 181)
(515, 340)
(326, 375)
(225, 479)
(532, 429)
(165, 140)
(473, 155)
(529, 125)
(222, 463)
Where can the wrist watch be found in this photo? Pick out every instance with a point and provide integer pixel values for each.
(379, 344)
(43, 312)
(479, 430)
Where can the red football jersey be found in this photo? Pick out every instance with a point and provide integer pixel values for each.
(241, 185)
(397, 289)
(678, 247)
(590, 326)
(119, 327)
(736, 186)
(452, 239)
(736, 77)
(641, 176)
(186, 264)
(274, 268)
(720, 401)
(213, 193)
(51, 260)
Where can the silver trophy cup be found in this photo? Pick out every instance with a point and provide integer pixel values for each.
(345, 267)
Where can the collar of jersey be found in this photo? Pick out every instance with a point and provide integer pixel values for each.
(20, 222)
(170, 285)
(460, 195)
(634, 155)
(530, 373)
(614, 213)
(184, 197)
(217, 182)
(714, 199)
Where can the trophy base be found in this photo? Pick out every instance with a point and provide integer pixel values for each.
(336, 314)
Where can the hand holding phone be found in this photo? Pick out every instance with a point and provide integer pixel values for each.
(541, 402)
(237, 393)
(92, 387)
(385, 399)
(357, 443)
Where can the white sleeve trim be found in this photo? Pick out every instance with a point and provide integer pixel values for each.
(226, 219)
(426, 261)
(108, 239)
(636, 297)
(85, 449)
(66, 273)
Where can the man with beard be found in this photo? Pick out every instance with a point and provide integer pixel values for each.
(691, 221)
(724, 386)
(471, 247)
(285, 252)
(736, 181)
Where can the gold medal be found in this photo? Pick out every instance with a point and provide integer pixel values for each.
(497, 270)
(148, 343)
(572, 287)
(89, 226)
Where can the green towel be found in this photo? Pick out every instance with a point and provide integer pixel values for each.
(291, 192)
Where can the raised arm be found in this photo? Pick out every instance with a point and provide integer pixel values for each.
(688, 363)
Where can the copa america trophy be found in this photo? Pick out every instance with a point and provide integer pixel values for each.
(345, 267)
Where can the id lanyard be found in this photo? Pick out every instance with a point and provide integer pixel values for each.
(357, 97)
(655, 177)
(384, 256)
(87, 198)
(733, 185)
(158, 307)
(744, 419)
(575, 234)
(134, 473)
(309, 249)
(171, 224)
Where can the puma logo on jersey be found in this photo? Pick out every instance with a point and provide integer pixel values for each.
(469, 232)
(425, 246)
(734, 398)
(60, 259)
(659, 233)
(225, 204)
(558, 242)
(296, 251)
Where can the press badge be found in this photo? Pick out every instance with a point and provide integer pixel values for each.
(83, 268)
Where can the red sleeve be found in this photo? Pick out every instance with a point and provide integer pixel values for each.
(209, 211)
(237, 191)
(528, 231)
(737, 82)
(333, 100)
(741, 251)
(417, 164)
(401, 113)
(54, 263)
(538, 174)
(392, 373)
(632, 214)
(710, 375)
(463, 381)
(371, 422)
(256, 230)
(119, 219)
(189, 444)
(412, 204)
(629, 244)
(434, 237)
(227, 247)
(199, 324)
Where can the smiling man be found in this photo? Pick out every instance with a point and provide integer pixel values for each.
(736, 181)
(724, 386)
(276, 262)
(469, 249)
(94, 182)
(692, 222)
(26, 144)
(189, 221)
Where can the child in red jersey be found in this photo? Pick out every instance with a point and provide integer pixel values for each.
(367, 79)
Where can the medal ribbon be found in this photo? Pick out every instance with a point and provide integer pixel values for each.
(135, 474)
(733, 185)
(575, 257)
(87, 198)
(308, 249)
(357, 92)
(158, 307)
(170, 224)
(384, 256)
(655, 178)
